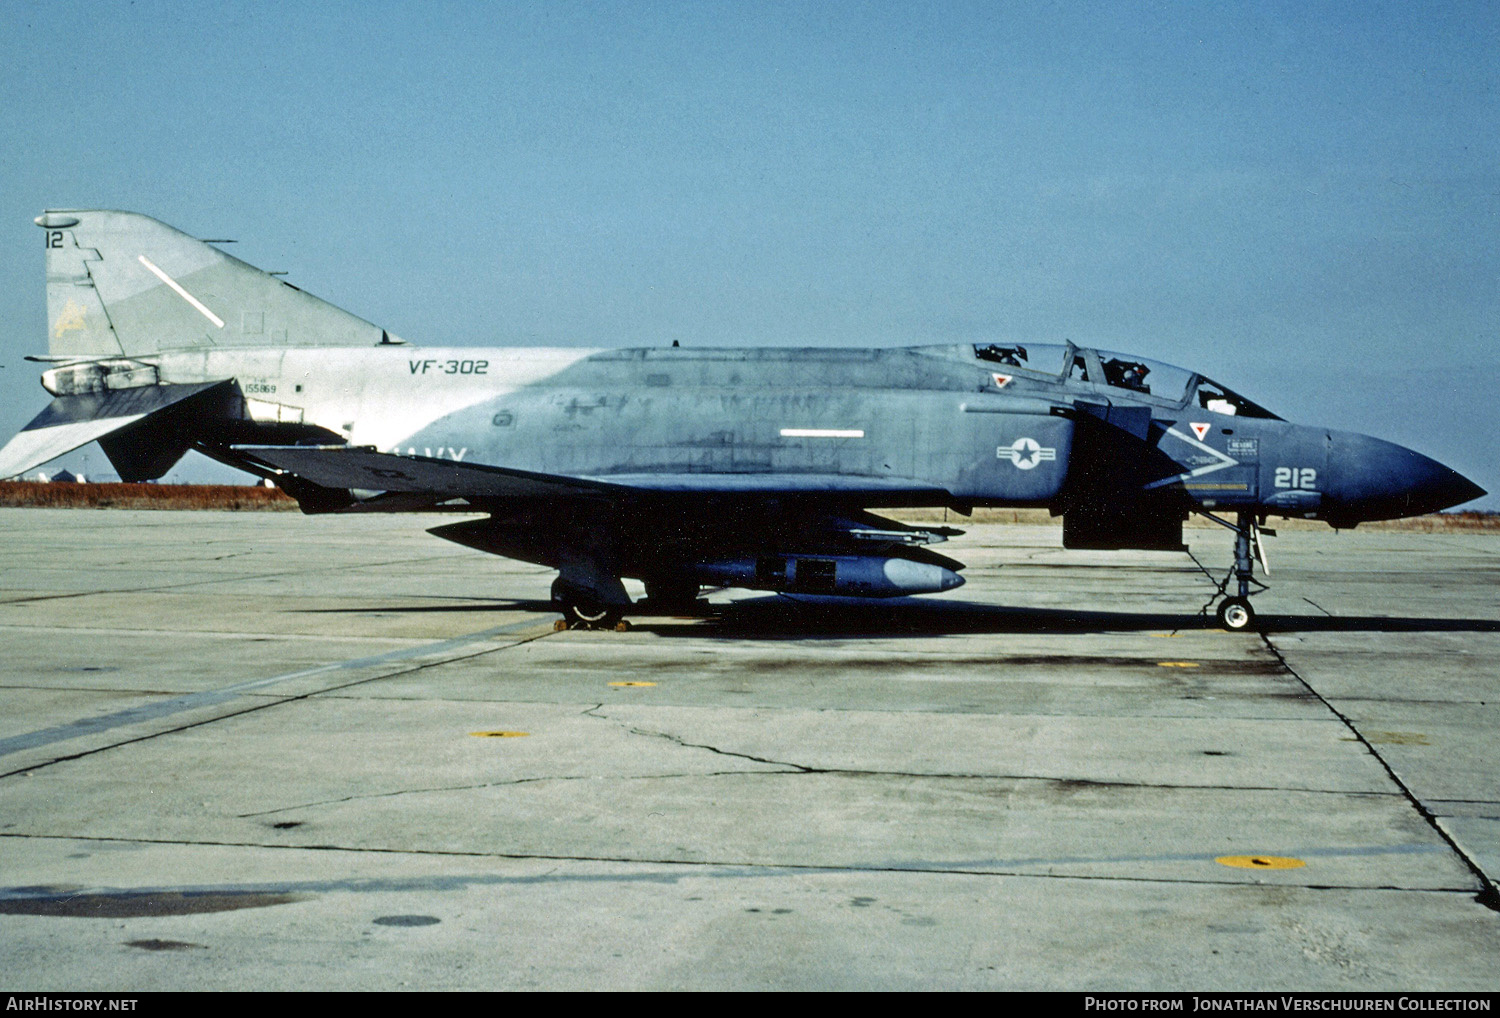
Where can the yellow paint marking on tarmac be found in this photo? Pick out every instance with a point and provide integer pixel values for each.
(1397, 738)
(1177, 664)
(499, 735)
(1168, 636)
(632, 683)
(1260, 862)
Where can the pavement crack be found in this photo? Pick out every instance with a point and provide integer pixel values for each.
(366, 796)
(734, 868)
(785, 769)
(1316, 605)
(679, 741)
(790, 767)
(1489, 895)
(479, 786)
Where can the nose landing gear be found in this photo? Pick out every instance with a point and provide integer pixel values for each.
(1235, 613)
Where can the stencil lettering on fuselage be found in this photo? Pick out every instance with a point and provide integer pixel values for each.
(440, 453)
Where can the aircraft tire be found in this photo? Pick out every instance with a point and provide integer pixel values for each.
(1235, 614)
(583, 611)
(590, 614)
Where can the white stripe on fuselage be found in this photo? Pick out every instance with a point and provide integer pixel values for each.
(821, 433)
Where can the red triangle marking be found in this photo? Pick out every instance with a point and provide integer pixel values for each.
(1001, 381)
(1200, 429)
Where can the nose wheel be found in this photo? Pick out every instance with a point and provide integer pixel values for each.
(1236, 614)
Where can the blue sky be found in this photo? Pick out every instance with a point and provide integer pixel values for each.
(1299, 199)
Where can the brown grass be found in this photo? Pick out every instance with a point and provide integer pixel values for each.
(35, 495)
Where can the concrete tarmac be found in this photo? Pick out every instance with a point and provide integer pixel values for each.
(267, 751)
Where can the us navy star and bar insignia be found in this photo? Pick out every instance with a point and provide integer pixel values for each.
(1026, 453)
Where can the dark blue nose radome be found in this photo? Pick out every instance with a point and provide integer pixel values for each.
(1375, 480)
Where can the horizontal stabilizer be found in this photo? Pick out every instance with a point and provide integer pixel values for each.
(367, 469)
(72, 421)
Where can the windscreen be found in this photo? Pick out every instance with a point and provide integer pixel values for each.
(1220, 399)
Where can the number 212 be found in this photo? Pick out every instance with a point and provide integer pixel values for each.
(1293, 477)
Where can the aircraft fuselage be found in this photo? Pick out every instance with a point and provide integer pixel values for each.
(932, 415)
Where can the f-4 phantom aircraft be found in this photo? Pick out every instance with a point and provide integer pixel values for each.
(678, 467)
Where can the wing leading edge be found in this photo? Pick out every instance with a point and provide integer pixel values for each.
(368, 469)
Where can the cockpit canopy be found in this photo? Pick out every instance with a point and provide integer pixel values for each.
(1155, 380)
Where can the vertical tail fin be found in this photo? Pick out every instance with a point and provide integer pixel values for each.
(123, 284)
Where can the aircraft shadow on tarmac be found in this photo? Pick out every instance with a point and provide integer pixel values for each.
(790, 617)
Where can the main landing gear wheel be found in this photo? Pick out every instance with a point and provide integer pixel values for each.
(1235, 614)
(582, 610)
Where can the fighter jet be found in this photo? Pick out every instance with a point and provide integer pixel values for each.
(682, 468)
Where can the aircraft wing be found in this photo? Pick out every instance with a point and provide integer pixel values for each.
(71, 421)
(367, 469)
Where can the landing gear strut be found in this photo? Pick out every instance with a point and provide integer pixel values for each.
(1234, 612)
